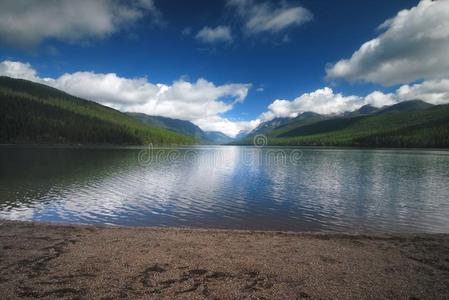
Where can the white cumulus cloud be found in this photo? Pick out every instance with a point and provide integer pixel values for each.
(261, 17)
(326, 101)
(413, 45)
(18, 70)
(432, 91)
(322, 101)
(200, 101)
(218, 34)
(26, 23)
(228, 127)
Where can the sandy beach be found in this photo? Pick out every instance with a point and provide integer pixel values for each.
(103, 262)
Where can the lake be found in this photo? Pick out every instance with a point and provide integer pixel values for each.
(260, 188)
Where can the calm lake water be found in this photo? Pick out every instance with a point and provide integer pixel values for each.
(229, 187)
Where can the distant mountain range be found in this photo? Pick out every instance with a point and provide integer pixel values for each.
(183, 127)
(218, 137)
(412, 123)
(176, 125)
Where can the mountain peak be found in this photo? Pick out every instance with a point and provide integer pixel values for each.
(367, 109)
(410, 105)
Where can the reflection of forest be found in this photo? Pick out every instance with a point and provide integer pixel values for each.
(28, 172)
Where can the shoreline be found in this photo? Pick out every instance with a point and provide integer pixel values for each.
(162, 146)
(93, 261)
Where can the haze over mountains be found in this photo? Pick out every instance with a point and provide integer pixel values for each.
(183, 127)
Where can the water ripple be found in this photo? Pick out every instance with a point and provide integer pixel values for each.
(330, 190)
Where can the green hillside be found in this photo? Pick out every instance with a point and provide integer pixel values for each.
(35, 113)
(176, 125)
(400, 126)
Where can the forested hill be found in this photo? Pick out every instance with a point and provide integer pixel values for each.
(36, 113)
(407, 124)
(176, 125)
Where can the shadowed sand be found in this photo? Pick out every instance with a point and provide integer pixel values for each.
(76, 262)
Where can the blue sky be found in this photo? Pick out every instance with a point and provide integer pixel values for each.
(161, 42)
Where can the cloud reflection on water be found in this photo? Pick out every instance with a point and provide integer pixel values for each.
(230, 187)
